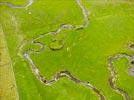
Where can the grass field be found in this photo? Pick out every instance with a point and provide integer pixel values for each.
(83, 52)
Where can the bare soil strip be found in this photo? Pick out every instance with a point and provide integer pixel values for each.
(8, 89)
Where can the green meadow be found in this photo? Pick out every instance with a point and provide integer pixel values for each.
(84, 53)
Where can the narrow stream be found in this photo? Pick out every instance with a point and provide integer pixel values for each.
(29, 3)
(62, 73)
(113, 77)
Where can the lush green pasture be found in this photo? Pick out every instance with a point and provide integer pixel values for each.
(84, 53)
